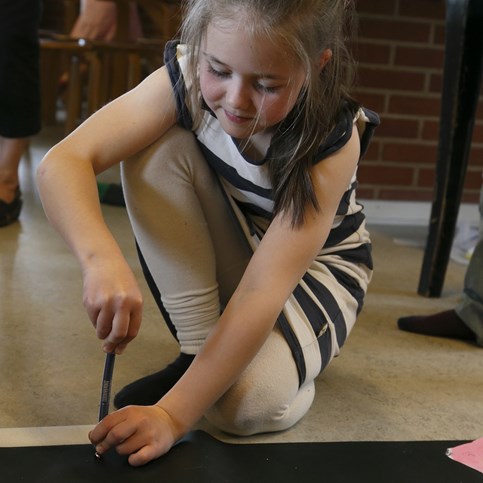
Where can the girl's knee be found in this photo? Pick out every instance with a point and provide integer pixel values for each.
(247, 412)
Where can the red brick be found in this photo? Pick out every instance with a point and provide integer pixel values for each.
(436, 83)
(425, 57)
(477, 133)
(439, 34)
(390, 79)
(426, 177)
(372, 53)
(373, 153)
(405, 194)
(414, 105)
(379, 7)
(423, 9)
(476, 156)
(384, 175)
(409, 153)
(473, 179)
(430, 130)
(393, 30)
(365, 193)
(371, 100)
(398, 128)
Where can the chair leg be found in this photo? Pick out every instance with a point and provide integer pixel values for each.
(49, 86)
(134, 74)
(94, 84)
(461, 86)
(74, 95)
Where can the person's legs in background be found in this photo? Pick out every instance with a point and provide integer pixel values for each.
(465, 321)
(19, 96)
(470, 309)
(11, 151)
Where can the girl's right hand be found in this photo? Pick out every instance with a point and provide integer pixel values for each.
(141, 432)
(113, 301)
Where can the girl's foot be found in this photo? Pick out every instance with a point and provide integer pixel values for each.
(150, 389)
(442, 324)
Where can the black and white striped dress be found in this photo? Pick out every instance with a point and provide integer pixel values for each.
(321, 311)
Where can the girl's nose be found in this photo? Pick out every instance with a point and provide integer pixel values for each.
(237, 95)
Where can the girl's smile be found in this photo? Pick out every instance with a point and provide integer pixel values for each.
(237, 119)
(245, 80)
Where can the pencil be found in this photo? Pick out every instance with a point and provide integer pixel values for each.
(106, 385)
(106, 388)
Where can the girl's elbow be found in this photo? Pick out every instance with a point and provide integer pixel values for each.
(43, 169)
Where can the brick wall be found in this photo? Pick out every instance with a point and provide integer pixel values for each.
(400, 55)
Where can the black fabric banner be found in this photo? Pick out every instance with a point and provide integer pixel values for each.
(199, 458)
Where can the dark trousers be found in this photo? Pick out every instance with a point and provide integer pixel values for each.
(19, 68)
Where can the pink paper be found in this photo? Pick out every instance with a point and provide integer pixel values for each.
(470, 454)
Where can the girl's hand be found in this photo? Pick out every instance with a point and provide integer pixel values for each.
(113, 301)
(143, 432)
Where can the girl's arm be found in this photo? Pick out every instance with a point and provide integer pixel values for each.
(66, 179)
(278, 264)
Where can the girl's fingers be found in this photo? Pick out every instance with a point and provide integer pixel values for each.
(124, 328)
(145, 455)
(104, 323)
(141, 432)
(112, 431)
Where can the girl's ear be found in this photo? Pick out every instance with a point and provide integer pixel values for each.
(325, 56)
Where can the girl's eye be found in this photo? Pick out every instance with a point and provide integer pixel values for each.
(217, 73)
(267, 89)
(225, 75)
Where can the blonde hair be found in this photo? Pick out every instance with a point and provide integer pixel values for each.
(304, 29)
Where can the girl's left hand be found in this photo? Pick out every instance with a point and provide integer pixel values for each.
(143, 432)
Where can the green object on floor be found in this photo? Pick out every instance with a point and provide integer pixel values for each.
(111, 194)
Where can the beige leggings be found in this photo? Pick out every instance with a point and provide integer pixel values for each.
(196, 252)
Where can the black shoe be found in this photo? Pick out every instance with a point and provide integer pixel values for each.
(9, 212)
(150, 389)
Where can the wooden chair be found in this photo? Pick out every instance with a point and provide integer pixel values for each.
(58, 55)
(122, 65)
(461, 87)
(98, 71)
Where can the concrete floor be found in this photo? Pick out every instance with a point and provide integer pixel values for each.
(386, 385)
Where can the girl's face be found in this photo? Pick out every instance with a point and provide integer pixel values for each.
(248, 82)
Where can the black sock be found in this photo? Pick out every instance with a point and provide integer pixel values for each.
(442, 324)
(150, 389)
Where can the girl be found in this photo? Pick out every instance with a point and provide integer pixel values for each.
(239, 177)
